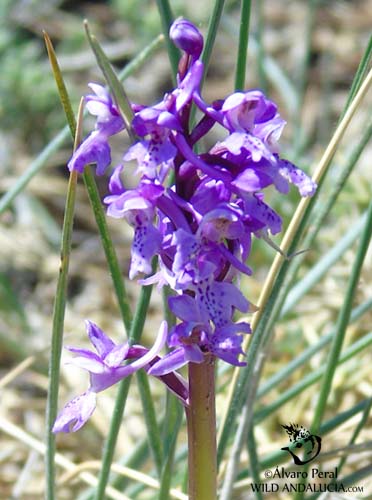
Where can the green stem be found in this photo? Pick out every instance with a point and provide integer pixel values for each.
(201, 430)
(57, 336)
(261, 49)
(212, 33)
(108, 247)
(243, 45)
(167, 17)
(109, 449)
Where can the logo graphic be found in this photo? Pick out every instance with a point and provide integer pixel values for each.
(303, 446)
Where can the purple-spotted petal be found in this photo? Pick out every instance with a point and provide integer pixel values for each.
(296, 176)
(218, 301)
(258, 210)
(75, 414)
(146, 243)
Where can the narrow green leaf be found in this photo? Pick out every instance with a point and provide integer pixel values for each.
(359, 75)
(108, 247)
(94, 198)
(241, 63)
(112, 80)
(109, 448)
(214, 23)
(319, 270)
(57, 335)
(173, 419)
(342, 322)
(306, 355)
(311, 378)
(153, 431)
(63, 95)
(167, 18)
(40, 161)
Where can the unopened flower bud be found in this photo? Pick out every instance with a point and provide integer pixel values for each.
(186, 37)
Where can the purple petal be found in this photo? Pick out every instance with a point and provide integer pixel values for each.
(169, 363)
(75, 414)
(102, 343)
(155, 349)
(92, 363)
(305, 184)
(258, 210)
(115, 185)
(184, 307)
(146, 243)
(95, 149)
(218, 300)
(117, 355)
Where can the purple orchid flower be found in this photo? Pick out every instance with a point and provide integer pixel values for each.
(201, 226)
(194, 337)
(138, 208)
(106, 369)
(95, 148)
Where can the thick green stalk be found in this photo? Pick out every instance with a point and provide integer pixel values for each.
(201, 430)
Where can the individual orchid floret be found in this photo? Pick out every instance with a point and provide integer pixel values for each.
(105, 368)
(95, 148)
(186, 37)
(102, 106)
(137, 206)
(195, 337)
(242, 110)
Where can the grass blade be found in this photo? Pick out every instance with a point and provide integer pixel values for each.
(311, 378)
(153, 431)
(39, 162)
(342, 322)
(212, 32)
(108, 247)
(173, 419)
(243, 44)
(112, 80)
(58, 322)
(241, 389)
(167, 18)
(109, 448)
(62, 91)
(306, 355)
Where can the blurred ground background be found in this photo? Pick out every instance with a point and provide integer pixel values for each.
(30, 116)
